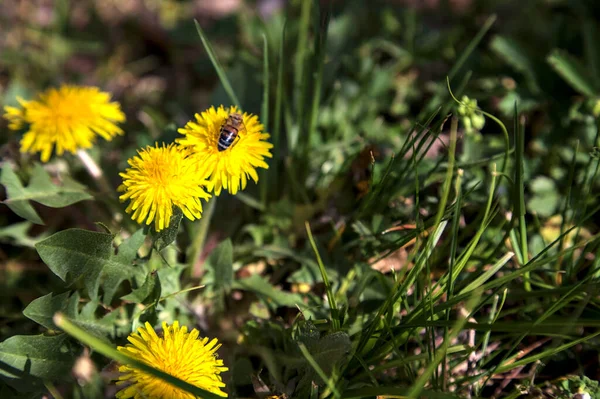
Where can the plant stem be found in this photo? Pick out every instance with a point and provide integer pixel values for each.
(94, 170)
(106, 193)
(200, 234)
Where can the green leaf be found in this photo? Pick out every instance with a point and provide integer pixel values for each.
(75, 253)
(43, 308)
(330, 350)
(261, 287)
(515, 56)
(120, 266)
(545, 199)
(321, 355)
(250, 201)
(220, 71)
(170, 279)
(109, 325)
(24, 359)
(40, 189)
(150, 289)
(164, 238)
(220, 263)
(16, 234)
(573, 72)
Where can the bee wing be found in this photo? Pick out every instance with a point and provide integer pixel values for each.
(242, 128)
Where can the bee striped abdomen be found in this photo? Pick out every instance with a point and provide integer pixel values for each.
(229, 131)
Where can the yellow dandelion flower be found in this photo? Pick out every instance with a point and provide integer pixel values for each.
(160, 178)
(178, 353)
(227, 168)
(69, 118)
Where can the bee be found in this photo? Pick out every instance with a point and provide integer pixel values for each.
(234, 124)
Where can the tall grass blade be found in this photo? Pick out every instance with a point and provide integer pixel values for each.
(278, 106)
(519, 195)
(220, 71)
(330, 296)
(264, 116)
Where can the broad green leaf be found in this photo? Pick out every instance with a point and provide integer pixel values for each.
(164, 238)
(220, 263)
(40, 189)
(75, 253)
(268, 293)
(24, 359)
(16, 234)
(14, 189)
(43, 308)
(573, 72)
(120, 266)
(170, 280)
(330, 350)
(326, 353)
(150, 289)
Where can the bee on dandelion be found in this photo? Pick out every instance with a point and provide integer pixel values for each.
(230, 131)
(229, 145)
(160, 178)
(69, 118)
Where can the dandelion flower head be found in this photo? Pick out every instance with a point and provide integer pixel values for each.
(160, 178)
(176, 352)
(68, 118)
(228, 169)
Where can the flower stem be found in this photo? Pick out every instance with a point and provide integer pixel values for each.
(200, 233)
(94, 171)
(106, 193)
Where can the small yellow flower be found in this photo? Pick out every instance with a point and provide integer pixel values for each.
(69, 118)
(160, 178)
(177, 353)
(228, 169)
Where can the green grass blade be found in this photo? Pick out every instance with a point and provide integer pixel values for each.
(300, 85)
(419, 385)
(545, 354)
(471, 46)
(220, 71)
(278, 105)
(330, 296)
(264, 116)
(479, 281)
(320, 47)
(452, 260)
(573, 72)
(264, 113)
(519, 195)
